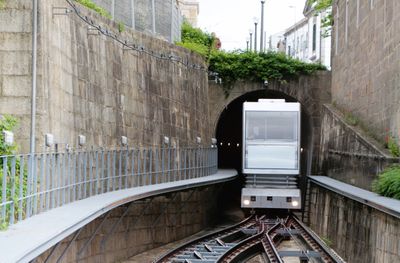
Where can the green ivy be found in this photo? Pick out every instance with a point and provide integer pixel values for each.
(233, 66)
(9, 123)
(91, 5)
(388, 182)
(2, 3)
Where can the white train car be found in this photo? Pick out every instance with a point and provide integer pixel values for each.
(271, 154)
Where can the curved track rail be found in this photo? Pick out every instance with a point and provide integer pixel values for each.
(251, 237)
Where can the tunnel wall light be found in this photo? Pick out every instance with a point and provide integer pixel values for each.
(124, 140)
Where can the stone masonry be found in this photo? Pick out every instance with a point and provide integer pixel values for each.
(146, 225)
(348, 154)
(358, 233)
(365, 63)
(89, 84)
(311, 91)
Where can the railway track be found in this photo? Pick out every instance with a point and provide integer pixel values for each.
(256, 235)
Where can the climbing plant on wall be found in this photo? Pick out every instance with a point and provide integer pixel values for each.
(233, 66)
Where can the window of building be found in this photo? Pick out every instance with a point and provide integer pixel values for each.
(314, 37)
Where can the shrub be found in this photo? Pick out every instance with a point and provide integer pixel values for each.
(196, 40)
(388, 182)
(89, 4)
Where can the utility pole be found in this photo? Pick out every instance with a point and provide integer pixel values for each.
(262, 27)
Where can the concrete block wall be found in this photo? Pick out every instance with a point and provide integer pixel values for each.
(88, 84)
(347, 154)
(144, 227)
(365, 68)
(358, 232)
(15, 63)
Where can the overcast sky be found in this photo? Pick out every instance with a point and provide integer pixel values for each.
(232, 19)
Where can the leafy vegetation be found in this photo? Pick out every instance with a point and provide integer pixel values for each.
(233, 66)
(388, 183)
(91, 5)
(393, 147)
(13, 183)
(327, 21)
(197, 40)
(2, 3)
(121, 27)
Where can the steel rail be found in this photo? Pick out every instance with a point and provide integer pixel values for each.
(269, 246)
(224, 232)
(314, 241)
(265, 240)
(242, 247)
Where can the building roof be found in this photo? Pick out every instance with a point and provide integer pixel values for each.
(296, 26)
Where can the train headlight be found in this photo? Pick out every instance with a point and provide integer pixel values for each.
(246, 201)
(295, 203)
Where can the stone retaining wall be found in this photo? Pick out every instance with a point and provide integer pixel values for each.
(89, 84)
(347, 154)
(358, 233)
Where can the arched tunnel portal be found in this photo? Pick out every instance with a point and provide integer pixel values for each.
(230, 127)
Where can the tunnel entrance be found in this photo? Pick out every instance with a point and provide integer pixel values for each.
(230, 127)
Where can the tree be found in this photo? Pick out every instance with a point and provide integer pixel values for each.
(324, 6)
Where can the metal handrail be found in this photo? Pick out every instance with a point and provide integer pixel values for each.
(34, 183)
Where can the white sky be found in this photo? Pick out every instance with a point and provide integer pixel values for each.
(232, 19)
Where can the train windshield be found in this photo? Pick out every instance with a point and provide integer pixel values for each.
(271, 140)
(269, 126)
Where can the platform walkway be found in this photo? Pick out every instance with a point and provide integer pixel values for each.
(29, 238)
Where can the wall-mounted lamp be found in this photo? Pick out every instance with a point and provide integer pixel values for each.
(198, 140)
(81, 140)
(49, 139)
(166, 140)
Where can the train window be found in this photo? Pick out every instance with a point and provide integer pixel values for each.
(270, 198)
(252, 198)
(271, 126)
(289, 199)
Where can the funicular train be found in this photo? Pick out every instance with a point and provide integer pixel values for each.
(271, 154)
